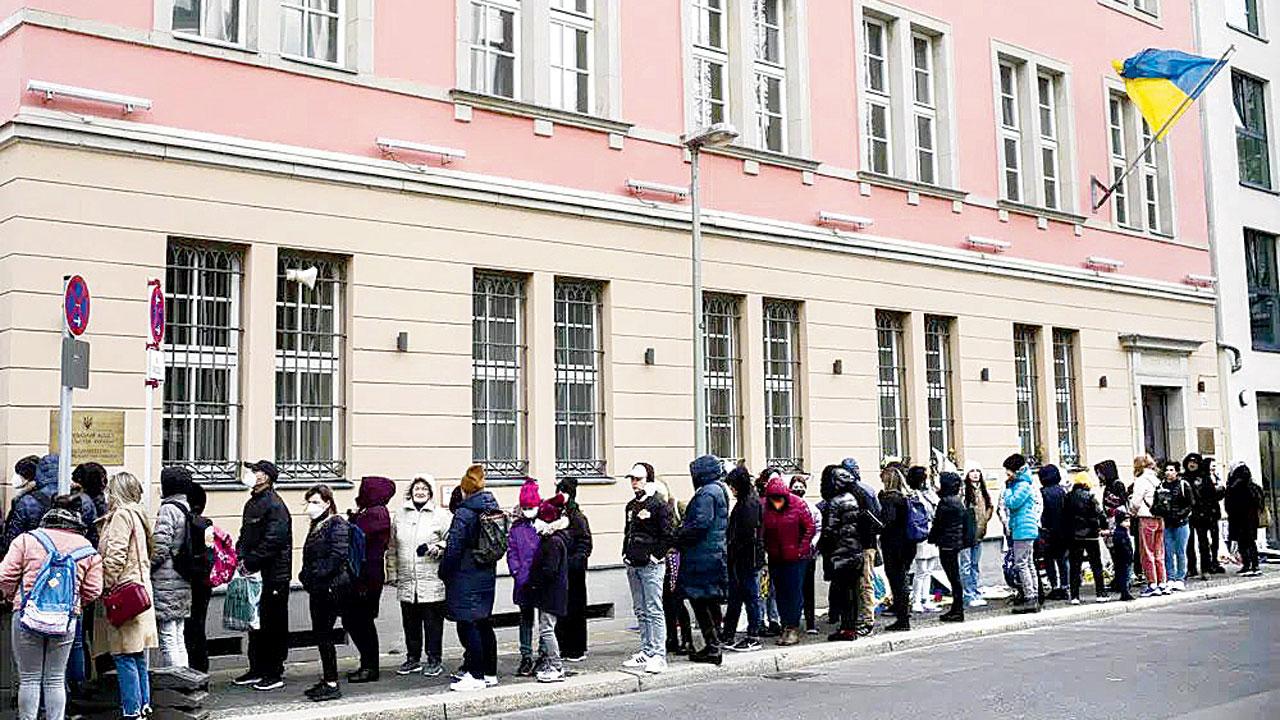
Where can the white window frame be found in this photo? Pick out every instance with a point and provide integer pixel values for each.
(1149, 188)
(765, 70)
(485, 369)
(1050, 167)
(339, 18)
(877, 99)
(1026, 372)
(1045, 163)
(1117, 146)
(1066, 377)
(940, 381)
(579, 305)
(925, 110)
(242, 18)
(485, 50)
(707, 56)
(1010, 133)
(1238, 15)
(566, 22)
(782, 375)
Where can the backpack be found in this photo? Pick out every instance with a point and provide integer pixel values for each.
(186, 561)
(224, 560)
(491, 541)
(49, 608)
(356, 551)
(917, 519)
(1162, 502)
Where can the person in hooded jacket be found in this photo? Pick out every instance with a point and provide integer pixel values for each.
(1115, 497)
(899, 549)
(1054, 537)
(703, 577)
(1085, 520)
(948, 533)
(1244, 512)
(469, 585)
(835, 593)
(265, 546)
(788, 539)
(32, 493)
(1206, 512)
(522, 546)
(977, 499)
(746, 557)
(194, 627)
(326, 578)
(548, 587)
(869, 539)
(417, 541)
(374, 520)
(769, 593)
(927, 553)
(572, 632)
(1024, 529)
(674, 608)
(646, 537)
(172, 598)
(89, 482)
(844, 531)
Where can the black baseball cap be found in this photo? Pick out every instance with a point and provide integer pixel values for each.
(266, 467)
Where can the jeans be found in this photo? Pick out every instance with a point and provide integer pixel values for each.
(323, 608)
(193, 629)
(1175, 552)
(547, 638)
(971, 571)
(646, 600)
(173, 646)
(135, 684)
(422, 620)
(1056, 565)
(269, 645)
(481, 645)
(77, 667)
(787, 578)
(806, 588)
(744, 589)
(770, 608)
(42, 667)
(360, 621)
(1024, 560)
(1079, 549)
(1151, 534)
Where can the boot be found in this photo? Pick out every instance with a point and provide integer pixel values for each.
(901, 625)
(789, 636)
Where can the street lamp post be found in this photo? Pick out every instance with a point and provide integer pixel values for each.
(714, 136)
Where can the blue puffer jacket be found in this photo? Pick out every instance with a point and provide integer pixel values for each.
(29, 508)
(704, 564)
(469, 587)
(1018, 498)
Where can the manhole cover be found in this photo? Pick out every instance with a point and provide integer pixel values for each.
(792, 676)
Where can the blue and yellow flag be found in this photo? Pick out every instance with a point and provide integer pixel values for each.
(1163, 83)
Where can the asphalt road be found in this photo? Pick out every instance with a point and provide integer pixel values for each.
(1201, 661)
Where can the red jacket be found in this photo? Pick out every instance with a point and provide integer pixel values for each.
(788, 532)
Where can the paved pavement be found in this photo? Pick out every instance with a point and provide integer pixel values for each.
(1194, 661)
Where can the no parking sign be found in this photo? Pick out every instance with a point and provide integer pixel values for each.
(75, 305)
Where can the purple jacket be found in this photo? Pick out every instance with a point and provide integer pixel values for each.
(522, 546)
(374, 520)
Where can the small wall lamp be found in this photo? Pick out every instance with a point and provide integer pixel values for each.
(985, 374)
(1102, 381)
(837, 367)
(649, 356)
(402, 342)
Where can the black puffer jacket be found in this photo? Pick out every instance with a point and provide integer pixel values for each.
(266, 538)
(647, 534)
(1053, 524)
(745, 537)
(947, 531)
(1181, 502)
(1085, 518)
(893, 513)
(325, 564)
(1206, 503)
(842, 535)
(580, 541)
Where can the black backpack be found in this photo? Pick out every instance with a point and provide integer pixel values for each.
(191, 561)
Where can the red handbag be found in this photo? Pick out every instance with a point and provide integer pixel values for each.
(126, 602)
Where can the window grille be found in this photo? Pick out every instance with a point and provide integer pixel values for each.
(497, 379)
(782, 403)
(938, 377)
(892, 382)
(1064, 384)
(579, 352)
(720, 314)
(1027, 384)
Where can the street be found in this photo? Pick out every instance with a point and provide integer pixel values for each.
(1214, 659)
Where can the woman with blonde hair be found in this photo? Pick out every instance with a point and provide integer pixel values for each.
(127, 546)
(1150, 527)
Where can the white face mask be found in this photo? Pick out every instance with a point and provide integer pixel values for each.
(530, 513)
(17, 481)
(316, 509)
(249, 479)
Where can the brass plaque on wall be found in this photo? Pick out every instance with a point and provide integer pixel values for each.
(96, 436)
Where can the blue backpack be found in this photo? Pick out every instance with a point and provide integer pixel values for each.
(917, 520)
(356, 552)
(49, 608)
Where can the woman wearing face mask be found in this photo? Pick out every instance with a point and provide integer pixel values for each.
(326, 577)
(522, 545)
(788, 539)
(799, 487)
(417, 541)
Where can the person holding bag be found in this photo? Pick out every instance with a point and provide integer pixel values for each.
(126, 545)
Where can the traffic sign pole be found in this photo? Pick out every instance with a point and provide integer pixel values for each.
(155, 326)
(64, 405)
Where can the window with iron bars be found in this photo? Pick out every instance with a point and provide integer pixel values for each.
(1064, 389)
(782, 406)
(310, 343)
(201, 415)
(722, 346)
(938, 383)
(497, 374)
(1026, 384)
(892, 382)
(579, 352)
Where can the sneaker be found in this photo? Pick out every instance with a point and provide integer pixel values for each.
(917, 607)
(326, 693)
(842, 636)
(409, 667)
(774, 630)
(748, 644)
(951, 617)
(978, 602)
(1126, 597)
(811, 631)
(268, 684)
(866, 630)
(1057, 594)
(433, 669)
(315, 688)
(899, 626)
(249, 678)
(657, 665)
(1244, 572)
(491, 681)
(1075, 601)
(467, 684)
(576, 658)
(551, 675)
(1177, 586)
(638, 660)
(1150, 591)
(1165, 590)
(526, 668)
(1102, 599)
(457, 675)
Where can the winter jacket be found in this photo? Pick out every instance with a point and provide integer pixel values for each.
(745, 534)
(374, 519)
(927, 550)
(1018, 501)
(788, 533)
(1181, 502)
(1053, 522)
(1114, 497)
(548, 587)
(843, 533)
(1244, 504)
(1207, 497)
(326, 564)
(266, 539)
(947, 531)
(172, 598)
(893, 513)
(1084, 516)
(89, 516)
(522, 546)
(469, 586)
(126, 547)
(704, 569)
(978, 498)
(25, 558)
(1121, 547)
(28, 509)
(1144, 494)
(580, 543)
(869, 529)
(417, 576)
(646, 534)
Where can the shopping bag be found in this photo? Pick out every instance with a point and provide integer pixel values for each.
(879, 587)
(240, 606)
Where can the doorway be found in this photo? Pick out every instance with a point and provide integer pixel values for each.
(1163, 425)
(1269, 445)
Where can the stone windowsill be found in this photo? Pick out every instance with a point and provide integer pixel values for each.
(507, 106)
(765, 157)
(926, 189)
(1037, 211)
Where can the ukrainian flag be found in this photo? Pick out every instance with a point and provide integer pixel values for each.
(1163, 83)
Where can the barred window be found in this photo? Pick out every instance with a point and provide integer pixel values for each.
(310, 342)
(201, 414)
(497, 374)
(721, 344)
(938, 381)
(1064, 384)
(781, 391)
(1027, 388)
(579, 390)
(892, 382)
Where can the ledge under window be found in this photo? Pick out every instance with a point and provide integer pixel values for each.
(1259, 188)
(926, 189)
(767, 157)
(1037, 211)
(507, 106)
(192, 37)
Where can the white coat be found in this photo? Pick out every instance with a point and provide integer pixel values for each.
(415, 577)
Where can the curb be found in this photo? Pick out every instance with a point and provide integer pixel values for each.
(527, 696)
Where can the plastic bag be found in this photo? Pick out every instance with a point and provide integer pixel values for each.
(879, 587)
(240, 606)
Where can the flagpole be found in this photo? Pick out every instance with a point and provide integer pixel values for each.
(1155, 136)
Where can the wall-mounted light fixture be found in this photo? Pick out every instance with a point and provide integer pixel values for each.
(978, 242)
(985, 374)
(447, 155)
(402, 342)
(837, 367)
(1200, 386)
(128, 103)
(1102, 381)
(832, 218)
(637, 187)
(1098, 262)
(649, 356)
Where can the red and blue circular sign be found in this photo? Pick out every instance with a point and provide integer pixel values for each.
(75, 305)
(156, 314)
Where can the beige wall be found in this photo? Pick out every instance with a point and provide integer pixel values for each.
(108, 218)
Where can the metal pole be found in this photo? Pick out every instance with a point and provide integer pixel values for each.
(699, 351)
(146, 443)
(64, 409)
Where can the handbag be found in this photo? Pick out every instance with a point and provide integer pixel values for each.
(1264, 516)
(125, 602)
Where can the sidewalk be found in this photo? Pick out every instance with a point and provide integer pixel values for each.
(600, 676)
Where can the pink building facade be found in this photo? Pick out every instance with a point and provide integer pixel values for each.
(901, 255)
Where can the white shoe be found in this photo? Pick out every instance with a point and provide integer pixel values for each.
(638, 660)
(657, 664)
(1179, 585)
(978, 602)
(917, 607)
(467, 684)
(491, 681)
(551, 675)
(1075, 601)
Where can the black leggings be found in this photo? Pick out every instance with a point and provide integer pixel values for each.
(324, 615)
(896, 564)
(193, 629)
(1248, 553)
(1079, 549)
(810, 617)
(360, 622)
(951, 566)
(679, 628)
(710, 619)
(845, 584)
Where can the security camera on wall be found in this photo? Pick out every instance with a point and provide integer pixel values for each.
(306, 277)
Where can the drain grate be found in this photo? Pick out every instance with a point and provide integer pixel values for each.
(792, 676)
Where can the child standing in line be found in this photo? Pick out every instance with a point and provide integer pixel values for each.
(522, 545)
(1122, 553)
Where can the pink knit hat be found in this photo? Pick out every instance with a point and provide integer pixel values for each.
(529, 497)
